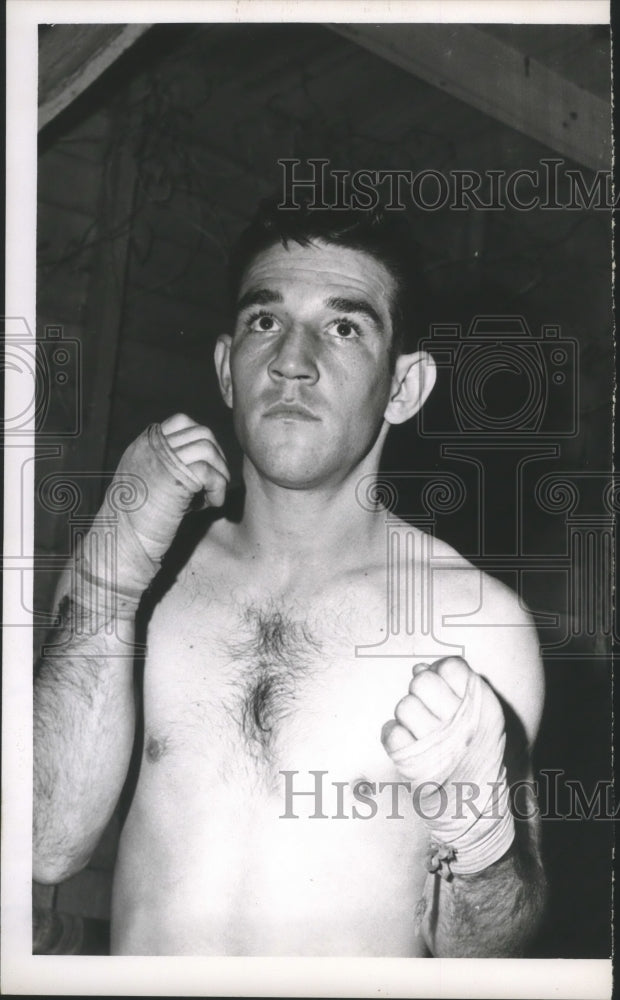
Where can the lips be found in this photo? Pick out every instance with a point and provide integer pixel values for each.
(290, 411)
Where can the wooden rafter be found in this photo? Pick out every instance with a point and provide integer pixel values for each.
(499, 80)
(72, 56)
(462, 60)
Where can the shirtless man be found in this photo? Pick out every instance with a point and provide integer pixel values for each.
(291, 792)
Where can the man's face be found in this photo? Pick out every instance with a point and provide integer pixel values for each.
(309, 365)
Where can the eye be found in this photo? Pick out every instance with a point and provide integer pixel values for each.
(261, 322)
(345, 329)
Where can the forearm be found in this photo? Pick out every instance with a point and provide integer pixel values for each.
(494, 912)
(84, 720)
(84, 699)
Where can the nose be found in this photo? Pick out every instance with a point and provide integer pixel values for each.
(294, 357)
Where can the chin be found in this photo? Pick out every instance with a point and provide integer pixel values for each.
(290, 469)
(291, 476)
(294, 462)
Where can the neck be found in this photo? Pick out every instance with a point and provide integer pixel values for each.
(315, 526)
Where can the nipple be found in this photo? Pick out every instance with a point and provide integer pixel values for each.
(155, 749)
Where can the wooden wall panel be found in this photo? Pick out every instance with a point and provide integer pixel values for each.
(68, 182)
(69, 189)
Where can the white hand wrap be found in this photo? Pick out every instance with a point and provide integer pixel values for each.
(465, 758)
(133, 529)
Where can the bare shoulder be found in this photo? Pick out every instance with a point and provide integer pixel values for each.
(495, 629)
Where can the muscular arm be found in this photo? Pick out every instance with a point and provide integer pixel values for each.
(83, 735)
(84, 699)
(496, 912)
(444, 733)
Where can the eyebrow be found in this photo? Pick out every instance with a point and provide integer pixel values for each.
(360, 306)
(258, 297)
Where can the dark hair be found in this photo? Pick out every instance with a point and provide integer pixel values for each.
(384, 235)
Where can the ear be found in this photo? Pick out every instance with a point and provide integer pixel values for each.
(222, 366)
(414, 377)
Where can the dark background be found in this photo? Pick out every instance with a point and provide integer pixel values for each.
(144, 183)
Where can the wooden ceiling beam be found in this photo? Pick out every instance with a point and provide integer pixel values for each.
(499, 80)
(463, 61)
(72, 56)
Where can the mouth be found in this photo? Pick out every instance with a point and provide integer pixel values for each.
(290, 411)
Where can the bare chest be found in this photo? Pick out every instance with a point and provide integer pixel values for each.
(253, 688)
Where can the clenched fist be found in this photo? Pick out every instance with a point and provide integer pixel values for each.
(435, 694)
(447, 737)
(196, 447)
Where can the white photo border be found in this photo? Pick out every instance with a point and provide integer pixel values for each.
(23, 973)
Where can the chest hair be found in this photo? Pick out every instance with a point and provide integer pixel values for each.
(272, 656)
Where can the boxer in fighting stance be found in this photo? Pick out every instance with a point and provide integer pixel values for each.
(274, 808)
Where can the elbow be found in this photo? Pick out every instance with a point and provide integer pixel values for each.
(59, 851)
(51, 870)
(45, 875)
